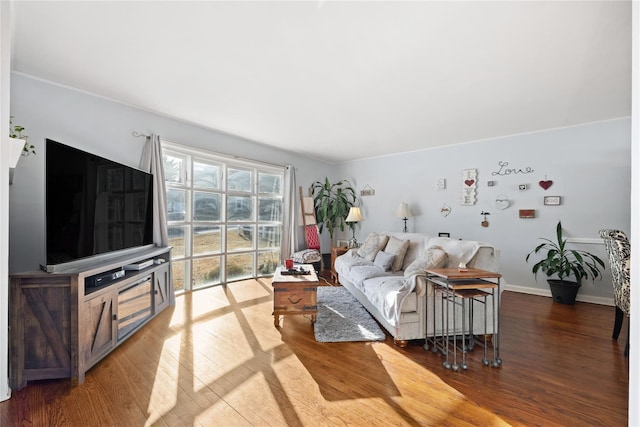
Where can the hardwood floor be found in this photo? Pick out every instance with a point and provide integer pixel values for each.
(217, 359)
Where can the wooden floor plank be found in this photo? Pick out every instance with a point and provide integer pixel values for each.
(217, 359)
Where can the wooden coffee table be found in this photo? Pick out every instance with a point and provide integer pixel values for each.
(295, 294)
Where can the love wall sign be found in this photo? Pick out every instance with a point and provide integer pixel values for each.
(469, 185)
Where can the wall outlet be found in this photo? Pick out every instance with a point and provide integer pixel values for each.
(441, 183)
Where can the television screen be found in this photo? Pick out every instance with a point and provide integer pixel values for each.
(94, 205)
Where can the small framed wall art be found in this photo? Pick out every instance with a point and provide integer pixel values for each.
(552, 200)
(527, 213)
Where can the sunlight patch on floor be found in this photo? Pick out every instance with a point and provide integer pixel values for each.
(448, 399)
(248, 290)
(164, 393)
(255, 399)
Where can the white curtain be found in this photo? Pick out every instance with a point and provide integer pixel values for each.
(288, 246)
(151, 161)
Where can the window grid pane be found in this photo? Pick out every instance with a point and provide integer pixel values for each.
(207, 240)
(221, 233)
(206, 272)
(206, 175)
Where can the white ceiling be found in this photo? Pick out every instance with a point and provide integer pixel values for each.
(341, 80)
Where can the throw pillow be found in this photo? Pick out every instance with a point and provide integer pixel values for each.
(433, 257)
(374, 242)
(384, 260)
(399, 249)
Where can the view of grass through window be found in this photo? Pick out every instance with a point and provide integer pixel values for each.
(225, 217)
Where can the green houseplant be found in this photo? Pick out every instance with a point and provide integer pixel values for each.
(564, 263)
(332, 203)
(15, 132)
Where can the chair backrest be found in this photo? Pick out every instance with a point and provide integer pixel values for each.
(619, 251)
(312, 237)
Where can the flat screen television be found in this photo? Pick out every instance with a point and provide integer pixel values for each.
(94, 206)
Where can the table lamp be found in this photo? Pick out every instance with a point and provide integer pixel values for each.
(353, 217)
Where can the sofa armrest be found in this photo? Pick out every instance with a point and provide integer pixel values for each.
(487, 258)
(419, 284)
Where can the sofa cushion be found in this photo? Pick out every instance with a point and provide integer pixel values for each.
(384, 260)
(398, 248)
(432, 257)
(374, 242)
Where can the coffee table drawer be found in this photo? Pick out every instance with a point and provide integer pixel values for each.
(295, 299)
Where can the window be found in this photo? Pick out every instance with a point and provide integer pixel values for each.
(225, 217)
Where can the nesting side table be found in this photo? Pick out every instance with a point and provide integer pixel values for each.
(457, 287)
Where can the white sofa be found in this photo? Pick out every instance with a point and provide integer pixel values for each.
(396, 292)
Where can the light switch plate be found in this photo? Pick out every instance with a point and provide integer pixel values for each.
(441, 183)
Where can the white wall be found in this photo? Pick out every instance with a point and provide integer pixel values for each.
(589, 165)
(105, 128)
(634, 360)
(5, 60)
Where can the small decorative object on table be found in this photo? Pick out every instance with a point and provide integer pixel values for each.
(294, 271)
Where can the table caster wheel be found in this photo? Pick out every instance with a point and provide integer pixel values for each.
(485, 362)
(464, 366)
(426, 347)
(446, 365)
(495, 364)
(455, 367)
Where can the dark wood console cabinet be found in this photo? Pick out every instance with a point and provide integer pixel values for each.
(60, 328)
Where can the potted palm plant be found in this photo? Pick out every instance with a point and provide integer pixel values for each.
(332, 203)
(564, 264)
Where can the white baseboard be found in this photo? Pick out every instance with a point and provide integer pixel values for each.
(547, 293)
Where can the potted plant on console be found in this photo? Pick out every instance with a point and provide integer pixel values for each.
(19, 143)
(565, 263)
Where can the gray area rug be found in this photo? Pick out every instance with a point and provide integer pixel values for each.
(342, 318)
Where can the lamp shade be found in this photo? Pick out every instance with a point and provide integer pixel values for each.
(403, 211)
(354, 215)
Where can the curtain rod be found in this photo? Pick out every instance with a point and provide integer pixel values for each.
(231, 156)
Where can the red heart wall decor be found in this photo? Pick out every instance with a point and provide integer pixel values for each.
(469, 182)
(545, 184)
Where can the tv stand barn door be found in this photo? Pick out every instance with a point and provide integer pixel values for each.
(60, 328)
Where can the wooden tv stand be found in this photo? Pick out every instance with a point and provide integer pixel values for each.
(60, 328)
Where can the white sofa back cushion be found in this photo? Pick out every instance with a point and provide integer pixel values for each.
(398, 248)
(384, 260)
(433, 257)
(373, 243)
(417, 242)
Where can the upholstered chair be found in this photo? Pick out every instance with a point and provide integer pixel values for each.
(619, 251)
